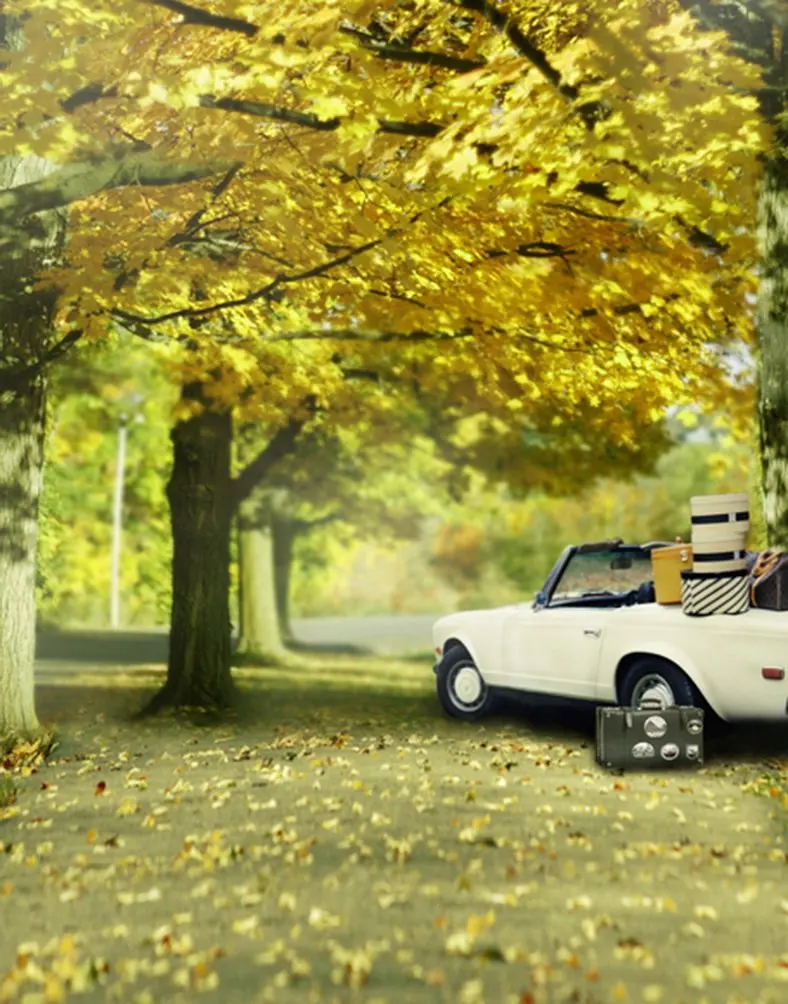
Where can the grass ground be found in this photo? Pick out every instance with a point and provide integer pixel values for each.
(340, 840)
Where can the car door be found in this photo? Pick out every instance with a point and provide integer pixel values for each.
(554, 650)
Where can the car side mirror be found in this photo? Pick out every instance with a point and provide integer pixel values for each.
(541, 599)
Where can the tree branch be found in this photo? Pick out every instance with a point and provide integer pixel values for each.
(590, 215)
(12, 378)
(281, 444)
(305, 525)
(398, 296)
(361, 335)
(520, 41)
(261, 109)
(535, 249)
(272, 288)
(591, 112)
(85, 178)
(87, 95)
(197, 16)
(627, 308)
(419, 335)
(598, 190)
(405, 54)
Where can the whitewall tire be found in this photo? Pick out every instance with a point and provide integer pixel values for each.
(462, 690)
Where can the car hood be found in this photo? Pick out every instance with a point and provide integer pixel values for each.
(466, 620)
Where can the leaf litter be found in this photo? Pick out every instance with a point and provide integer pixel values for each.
(400, 858)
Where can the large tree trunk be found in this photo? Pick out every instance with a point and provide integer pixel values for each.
(259, 623)
(199, 493)
(21, 465)
(284, 535)
(25, 337)
(773, 343)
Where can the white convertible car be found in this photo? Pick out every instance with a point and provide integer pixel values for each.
(595, 633)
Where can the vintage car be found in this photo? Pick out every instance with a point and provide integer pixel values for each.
(595, 633)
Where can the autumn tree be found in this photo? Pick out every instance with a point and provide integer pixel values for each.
(758, 32)
(357, 480)
(498, 195)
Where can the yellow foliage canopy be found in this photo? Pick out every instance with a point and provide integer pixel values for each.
(544, 207)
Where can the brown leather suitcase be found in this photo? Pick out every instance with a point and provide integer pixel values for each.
(646, 738)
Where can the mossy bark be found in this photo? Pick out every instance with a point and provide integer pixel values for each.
(21, 466)
(25, 337)
(772, 329)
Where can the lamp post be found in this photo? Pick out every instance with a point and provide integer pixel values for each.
(117, 512)
(117, 525)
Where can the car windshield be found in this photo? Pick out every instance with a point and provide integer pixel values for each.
(603, 572)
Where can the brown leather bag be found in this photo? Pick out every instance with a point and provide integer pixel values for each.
(769, 580)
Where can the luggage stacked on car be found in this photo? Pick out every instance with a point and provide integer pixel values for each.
(769, 580)
(718, 582)
(667, 564)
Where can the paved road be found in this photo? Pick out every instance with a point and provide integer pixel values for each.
(392, 634)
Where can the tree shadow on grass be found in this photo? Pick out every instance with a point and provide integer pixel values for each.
(327, 695)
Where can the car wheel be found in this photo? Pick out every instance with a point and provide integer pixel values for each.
(461, 690)
(654, 679)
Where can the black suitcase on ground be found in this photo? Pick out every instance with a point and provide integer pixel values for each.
(638, 738)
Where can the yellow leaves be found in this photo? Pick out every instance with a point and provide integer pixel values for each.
(460, 943)
(246, 925)
(477, 924)
(352, 967)
(460, 163)
(329, 107)
(632, 950)
(398, 851)
(366, 227)
(322, 919)
(687, 418)
(126, 898)
(157, 94)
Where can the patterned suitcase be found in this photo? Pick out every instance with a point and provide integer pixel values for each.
(649, 737)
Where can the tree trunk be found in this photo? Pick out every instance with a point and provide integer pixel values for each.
(199, 493)
(259, 624)
(284, 534)
(25, 335)
(772, 329)
(21, 465)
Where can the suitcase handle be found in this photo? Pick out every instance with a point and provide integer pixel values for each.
(651, 704)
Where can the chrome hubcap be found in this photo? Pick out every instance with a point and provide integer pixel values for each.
(466, 688)
(651, 688)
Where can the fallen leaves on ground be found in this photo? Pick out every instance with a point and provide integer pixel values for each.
(402, 857)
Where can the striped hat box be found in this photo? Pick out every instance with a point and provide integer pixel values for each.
(716, 510)
(703, 595)
(719, 556)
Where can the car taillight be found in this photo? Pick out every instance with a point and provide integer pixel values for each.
(772, 673)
